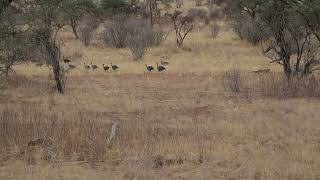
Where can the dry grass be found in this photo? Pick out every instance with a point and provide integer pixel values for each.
(189, 128)
(180, 124)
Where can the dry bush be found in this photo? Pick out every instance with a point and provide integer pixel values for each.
(232, 80)
(248, 29)
(86, 32)
(138, 35)
(198, 15)
(141, 36)
(215, 14)
(58, 137)
(215, 29)
(279, 86)
(124, 32)
(86, 35)
(116, 33)
(137, 43)
(179, 3)
(199, 2)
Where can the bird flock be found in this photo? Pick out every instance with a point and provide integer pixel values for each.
(114, 67)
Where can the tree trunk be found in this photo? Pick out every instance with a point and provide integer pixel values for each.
(287, 66)
(57, 77)
(151, 19)
(53, 53)
(73, 24)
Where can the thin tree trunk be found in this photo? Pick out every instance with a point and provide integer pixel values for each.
(57, 77)
(73, 24)
(287, 66)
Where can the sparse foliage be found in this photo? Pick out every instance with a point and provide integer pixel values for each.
(182, 26)
(179, 3)
(215, 29)
(152, 8)
(285, 30)
(136, 34)
(47, 18)
(198, 15)
(86, 31)
(76, 9)
(199, 2)
(116, 33)
(142, 36)
(13, 41)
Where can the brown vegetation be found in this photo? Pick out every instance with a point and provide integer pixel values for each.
(219, 111)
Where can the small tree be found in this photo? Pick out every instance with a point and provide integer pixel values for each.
(46, 19)
(12, 51)
(153, 10)
(182, 26)
(289, 39)
(74, 10)
(4, 4)
(12, 41)
(179, 3)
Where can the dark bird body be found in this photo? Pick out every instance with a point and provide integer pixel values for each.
(65, 60)
(93, 66)
(160, 68)
(149, 68)
(114, 67)
(105, 68)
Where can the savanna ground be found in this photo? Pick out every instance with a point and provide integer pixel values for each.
(178, 124)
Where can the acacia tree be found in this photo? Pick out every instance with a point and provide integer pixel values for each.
(182, 25)
(152, 8)
(13, 44)
(75, 9)
(291, 40)
(46, 19)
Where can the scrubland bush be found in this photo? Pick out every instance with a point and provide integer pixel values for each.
(179, 3)
(248, 29)
(138, 35)
(215, 29)
(117, 32)
(182, 24)
(215, 14)
(199, 2)
(85, 35)
(142, 36)
(86, 32)
(232, 80)
(198, 14)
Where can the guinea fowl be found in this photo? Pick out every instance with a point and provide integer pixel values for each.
(93, 66)
(149, 68)
(86, 66)
(160, 68)
(114, 67)
(105, 68)
(65, 60)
